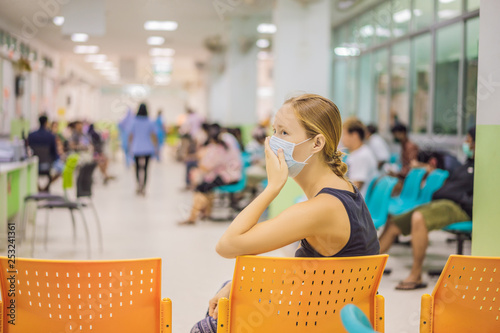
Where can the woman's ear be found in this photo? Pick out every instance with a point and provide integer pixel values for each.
(319, 143)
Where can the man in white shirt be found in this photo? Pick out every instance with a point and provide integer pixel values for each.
(361, 162)
(377, 144)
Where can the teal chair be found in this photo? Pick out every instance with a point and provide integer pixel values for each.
(433, 183)
(463, 231)
(370, 188)
(354, 320)
(380, 199)
(410, 191)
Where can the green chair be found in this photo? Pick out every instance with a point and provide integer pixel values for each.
(410, 191)
(354, 320)
(379, 204)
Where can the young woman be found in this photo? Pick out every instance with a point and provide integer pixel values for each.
(143, 144)
(333, 222)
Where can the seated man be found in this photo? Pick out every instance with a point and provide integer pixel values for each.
(361, 162)
(452, 203)
(43, 143)
(377, 144)
(409, 150)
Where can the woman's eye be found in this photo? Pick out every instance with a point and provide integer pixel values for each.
(284, 133)
(274, 131)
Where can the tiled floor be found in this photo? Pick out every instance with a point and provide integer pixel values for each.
(137, 227)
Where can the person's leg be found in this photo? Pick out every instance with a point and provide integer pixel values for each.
(391, 231)
(146, 162)
(419, 242)
(137, 168)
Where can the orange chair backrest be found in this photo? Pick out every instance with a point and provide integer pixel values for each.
(301, 294)
(467, 296)
(81, 296)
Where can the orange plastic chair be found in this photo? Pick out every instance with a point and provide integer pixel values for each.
(301, 294)
(83, 296)
(466, 297)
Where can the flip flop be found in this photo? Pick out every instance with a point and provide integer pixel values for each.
(410, 285)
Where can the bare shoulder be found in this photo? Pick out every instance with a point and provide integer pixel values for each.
(329, 208)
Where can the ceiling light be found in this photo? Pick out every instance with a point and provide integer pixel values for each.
(155, 40)
(263, 43)
(161, 52)
(99, 58)
(266, 28)
(161, 25)
(86, 49)
(58, 20)
(447, 13)
(346, 51)
(446, 1)
(79, 37)
(104, 65)
(402, 16)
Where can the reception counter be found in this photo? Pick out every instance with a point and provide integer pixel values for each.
(17, 180)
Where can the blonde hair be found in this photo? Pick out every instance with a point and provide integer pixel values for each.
(319, 115)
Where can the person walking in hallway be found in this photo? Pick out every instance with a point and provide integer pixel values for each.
(143, 144)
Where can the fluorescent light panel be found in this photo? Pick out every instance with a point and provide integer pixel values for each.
(161, 52)
(86, 49)
(155, 40)
(161, 25)
(97, 58)
(263, 43)
(81, 38)
(58, 20)
(266, 28)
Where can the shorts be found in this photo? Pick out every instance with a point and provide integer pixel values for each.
(437, 214)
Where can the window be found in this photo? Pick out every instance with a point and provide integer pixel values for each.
(366, 31)
(365, 110)
(400, 75)
(382, 22)
(351, 86)
(472, 5)
(470, 74)
(448, 9)
(401, 17)
(380, 82)
(421, 73)
(423, 14)
(339, 86)
(448, 56)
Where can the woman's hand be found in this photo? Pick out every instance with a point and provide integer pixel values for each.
(276, 167)
(213, 308)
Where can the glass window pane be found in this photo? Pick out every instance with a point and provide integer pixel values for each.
(423, 14)
(400, 74)
(401, 17)
(340, 76)
(351, 85)
(366, 31)
(365, 89)
(470, 79)
(448, 9)
(380, 82)
(448, 54)
(421, 72)
(472, 5)
(382, 22)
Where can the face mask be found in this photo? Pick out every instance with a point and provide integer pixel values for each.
(467, 151)
(294, 167)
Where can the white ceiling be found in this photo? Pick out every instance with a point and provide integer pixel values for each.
(125, 35)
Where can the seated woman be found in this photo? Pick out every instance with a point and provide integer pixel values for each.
(218, 165)
(333, 222)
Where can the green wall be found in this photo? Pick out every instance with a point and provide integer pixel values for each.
(486, 226)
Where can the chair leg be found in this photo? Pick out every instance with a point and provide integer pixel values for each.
(33, 235)
(46, 229)
(86, 231)
(74, 224)
(460, 244)
(22, 224)
(99, 229)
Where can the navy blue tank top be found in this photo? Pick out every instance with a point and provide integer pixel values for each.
(363, 239)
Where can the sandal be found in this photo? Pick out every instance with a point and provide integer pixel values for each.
(187, 222)
(410, 285)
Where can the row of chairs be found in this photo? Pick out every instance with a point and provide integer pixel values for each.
(268, 295)
(381, 204)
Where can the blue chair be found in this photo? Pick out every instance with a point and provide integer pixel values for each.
(433, 183)
(410, 191)
(369, 190)
(354, 320)
(463, 231)
(379, 203)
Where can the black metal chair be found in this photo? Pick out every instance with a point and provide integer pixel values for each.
(84, 191)
(45, 162)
